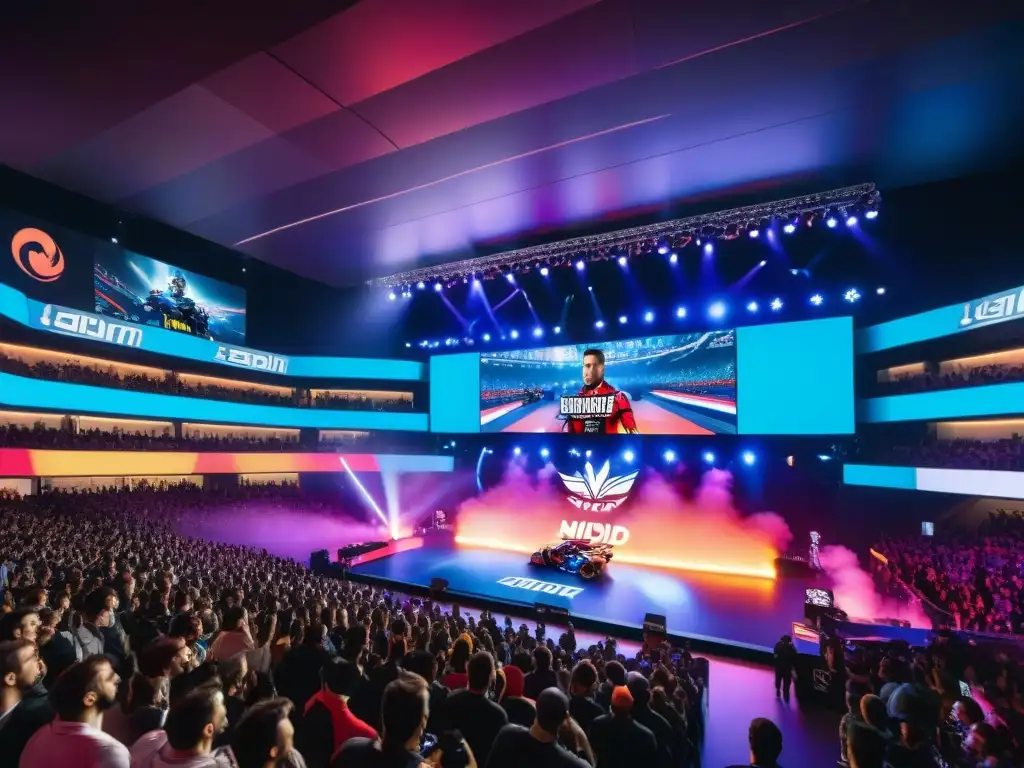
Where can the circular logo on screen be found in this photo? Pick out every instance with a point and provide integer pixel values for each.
(37, 255)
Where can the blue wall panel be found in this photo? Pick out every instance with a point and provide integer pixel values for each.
(969, 402)
(77, 398)
(795, 378)
(455, 393)
(880, 476)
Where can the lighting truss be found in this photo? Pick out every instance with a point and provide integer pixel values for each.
(725, 225)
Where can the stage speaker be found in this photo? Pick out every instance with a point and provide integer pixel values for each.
(545, 611)
(655, 624)
(437, 588)
(319, 560)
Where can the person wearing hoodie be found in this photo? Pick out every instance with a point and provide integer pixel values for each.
(327, 722)
(615, 677)
(520, 710)
(192, 725)
(640, 689)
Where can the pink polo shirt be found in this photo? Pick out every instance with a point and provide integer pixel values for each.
(73, 745)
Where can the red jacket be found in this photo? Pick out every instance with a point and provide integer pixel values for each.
(620, 420)
(345, 725)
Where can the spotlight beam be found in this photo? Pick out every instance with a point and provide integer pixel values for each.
(366, 495)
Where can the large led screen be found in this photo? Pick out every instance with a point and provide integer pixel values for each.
(138, 289)
(684, 384)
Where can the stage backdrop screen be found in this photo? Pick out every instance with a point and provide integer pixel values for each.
(138, 289)
(683, 384)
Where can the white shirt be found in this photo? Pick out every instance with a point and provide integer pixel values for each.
(73, 745)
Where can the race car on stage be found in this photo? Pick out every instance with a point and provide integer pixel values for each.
(572, 556)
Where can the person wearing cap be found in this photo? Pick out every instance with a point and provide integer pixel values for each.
(640, 689)
(618, 740)
(538, 746)
(917, 712)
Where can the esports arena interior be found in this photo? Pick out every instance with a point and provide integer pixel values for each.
(578, 354)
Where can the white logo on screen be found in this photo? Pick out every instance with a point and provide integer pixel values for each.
(90, 326)
(257, 361)
(987, 311)
(544, 587)
(588, 489)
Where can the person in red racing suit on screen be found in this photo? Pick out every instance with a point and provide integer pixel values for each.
(621, 418)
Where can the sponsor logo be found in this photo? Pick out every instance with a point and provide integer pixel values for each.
(822, 680)
(590, 492)
(90, 326)
(257, 361)
(597, 493)
(993, 309)
(543, 587)
(173, 324)
(37, 255)
(596, 406)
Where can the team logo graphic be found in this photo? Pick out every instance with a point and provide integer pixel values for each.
(37, 255)
(597, 493)
(544, 587)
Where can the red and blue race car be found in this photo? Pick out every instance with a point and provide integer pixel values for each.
(574, 556)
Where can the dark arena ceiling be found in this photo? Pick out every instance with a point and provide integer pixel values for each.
(346, 141)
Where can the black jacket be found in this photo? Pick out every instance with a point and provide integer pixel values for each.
(621, 742)
(31, 714)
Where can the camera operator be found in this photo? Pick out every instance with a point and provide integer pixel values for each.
(404, 742)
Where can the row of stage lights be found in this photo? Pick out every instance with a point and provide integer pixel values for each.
(716, 311)
(666, 247)
(669, 456)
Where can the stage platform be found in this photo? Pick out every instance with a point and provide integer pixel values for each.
(730, 615)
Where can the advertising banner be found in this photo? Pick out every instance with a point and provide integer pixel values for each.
(45, 261)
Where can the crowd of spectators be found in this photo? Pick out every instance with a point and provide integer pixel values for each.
(125, 643)
(976, 577)
(962, 376)
(1004, 454)
(172, 384)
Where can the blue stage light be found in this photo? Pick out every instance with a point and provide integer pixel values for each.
(717, 310)
(709, 248)
(392, 296)
(557, 329)
(538, 332)
(880, 290)
(590, 288)
(680, 312)
(486, 337)
(438, 287)
(599, 324)
(421, 285)
(648, 317)
(831, 222)
(622, 261)
(754, 233)
(588, 453)
(776, 305)
(408, 345)
(824, 457)
(663, 249)
(709, 457)
(851, 221)
(544, 453)
(789, 228)
(871, 215)
(516, 451)
(749, 458)
(673, 258)
(623, 319)
(852, 295)
(580, 264)
(628, 456)
(762, 263)
(752, 307)
(510, 277)
(514, 334)
(817, 299)
(669, 456)
(544, 271)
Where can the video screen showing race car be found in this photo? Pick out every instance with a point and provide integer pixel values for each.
(683, 384)
(142, 290)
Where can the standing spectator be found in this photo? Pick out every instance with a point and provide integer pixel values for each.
(765, 741)
(865, 746)
(618, 740)
(24, 706)
(265, 737)
(784, 660)
(191, 728)
(582, 685)
(76, 738)
(424, 664)
(538, 746)
(327, 722)
(520, 710)
(235, 637)
(542, 676)
(473, 714)
(614, 677)
(640, 689)
(20, 624)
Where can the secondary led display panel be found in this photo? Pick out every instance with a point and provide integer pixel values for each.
(682, 384)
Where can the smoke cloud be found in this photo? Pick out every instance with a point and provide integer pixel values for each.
(666, 529)
(855, 590)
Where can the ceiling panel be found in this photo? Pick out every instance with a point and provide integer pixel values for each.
(589, 49)
(381, 44)
(271, 93)
(169, 139)
(339, 140)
